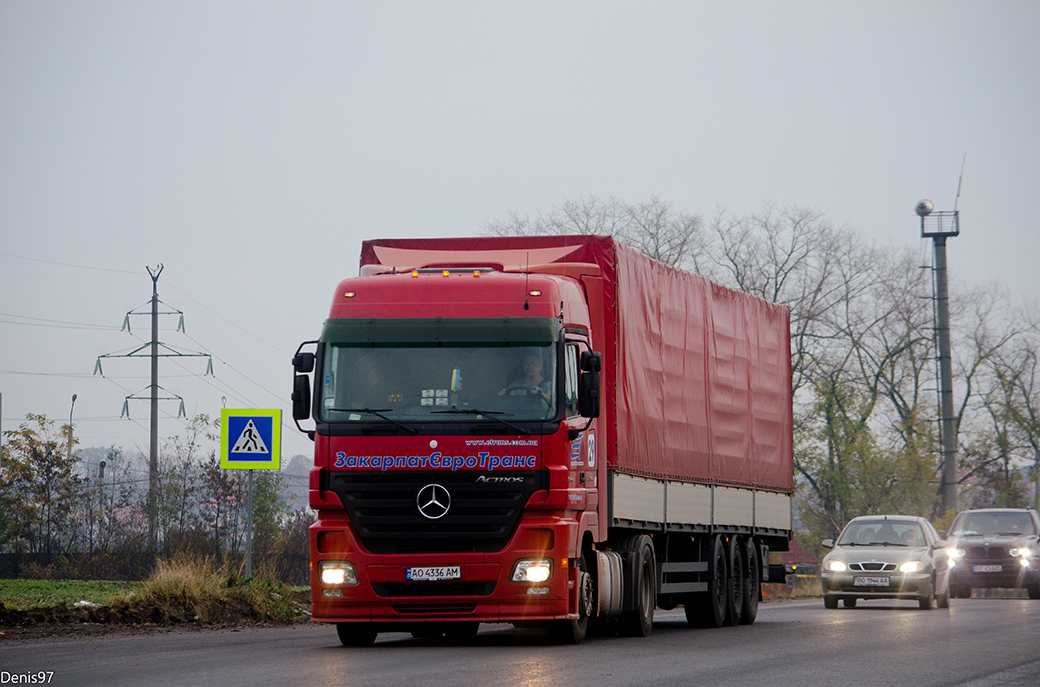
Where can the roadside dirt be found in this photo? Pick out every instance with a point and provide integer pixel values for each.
(92, 621)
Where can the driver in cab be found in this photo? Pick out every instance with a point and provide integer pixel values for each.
(531, 383)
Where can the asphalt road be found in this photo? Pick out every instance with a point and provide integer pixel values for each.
(977, 642)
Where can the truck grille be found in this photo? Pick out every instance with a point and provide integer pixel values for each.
(481, 518)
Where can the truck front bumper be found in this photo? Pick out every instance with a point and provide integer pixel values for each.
(411, 588)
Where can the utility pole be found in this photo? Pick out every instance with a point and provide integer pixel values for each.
(154, 354)
(939, 226)
(71, 408)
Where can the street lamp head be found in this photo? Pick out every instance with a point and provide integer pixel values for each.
(924, 208)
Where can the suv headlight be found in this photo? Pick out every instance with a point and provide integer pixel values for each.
(954, 553)
(532, 570)
(336, 573)
(1023, 552)
(911, 567)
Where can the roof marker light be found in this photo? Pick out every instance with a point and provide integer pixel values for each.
(415, 274)
(445, 273)
(476, 273)
(350, 294)
(534, 292)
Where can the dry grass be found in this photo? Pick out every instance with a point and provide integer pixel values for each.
(196, 589)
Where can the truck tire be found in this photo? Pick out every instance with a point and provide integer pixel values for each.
(356, 634)
(709, 609)
(735, 588)
(752, 583)
(574, 631)
(638, 621)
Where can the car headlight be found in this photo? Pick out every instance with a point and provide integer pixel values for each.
(836, 566)
(532, 570)
(1023, 552)
(911, 567)
(954, 553)
(336, 573)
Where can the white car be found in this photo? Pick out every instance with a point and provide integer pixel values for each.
(886, 557)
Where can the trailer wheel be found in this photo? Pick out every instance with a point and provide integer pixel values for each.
(709, 609)
(735, 588)
(752, 583)
(639, 621)
(356, 634)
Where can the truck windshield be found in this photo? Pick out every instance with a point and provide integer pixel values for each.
(449, 377)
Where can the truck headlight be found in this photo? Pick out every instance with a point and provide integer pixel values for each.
(911, 567)
(532, 570)
(836, 566)
(336, 573)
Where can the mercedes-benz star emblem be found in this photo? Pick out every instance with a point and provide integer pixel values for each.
(433, 501)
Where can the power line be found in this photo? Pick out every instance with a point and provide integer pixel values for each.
(65, 264)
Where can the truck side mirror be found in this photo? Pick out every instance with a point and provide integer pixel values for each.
(301, 396)
(591, 361)
(303, 362)
(588, 384)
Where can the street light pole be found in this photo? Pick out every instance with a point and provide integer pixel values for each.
(939, 226)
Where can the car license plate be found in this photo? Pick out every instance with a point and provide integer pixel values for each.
(987, 568)
(870, 581)
(433, 574)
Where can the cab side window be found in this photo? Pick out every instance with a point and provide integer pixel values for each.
(570, 389)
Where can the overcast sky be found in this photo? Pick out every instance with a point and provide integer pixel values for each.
(250, 147)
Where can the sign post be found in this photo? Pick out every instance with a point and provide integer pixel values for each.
(250, 440)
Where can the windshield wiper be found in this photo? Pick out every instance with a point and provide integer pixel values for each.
(887, 543)
(489, 414)
(379, 413)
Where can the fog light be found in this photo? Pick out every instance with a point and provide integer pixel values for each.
(332, 592)
(532, 570)
(334, 573)
(537, 591)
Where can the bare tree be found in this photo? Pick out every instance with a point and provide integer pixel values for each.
(651, 227)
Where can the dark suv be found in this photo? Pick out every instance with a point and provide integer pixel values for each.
(995, 547)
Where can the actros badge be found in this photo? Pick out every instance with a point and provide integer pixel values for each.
(433, 501)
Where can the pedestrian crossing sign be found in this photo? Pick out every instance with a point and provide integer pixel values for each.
(250, 439)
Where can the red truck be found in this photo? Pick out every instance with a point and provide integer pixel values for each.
(554, 431)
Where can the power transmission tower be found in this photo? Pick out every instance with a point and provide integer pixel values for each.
(153, 353)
